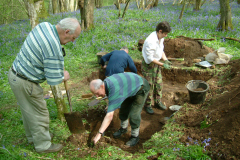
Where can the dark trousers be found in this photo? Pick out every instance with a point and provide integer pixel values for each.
(132, 107)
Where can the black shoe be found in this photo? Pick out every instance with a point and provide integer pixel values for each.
(119, 132)
(133, 141)
(161, 106)
(149, 110)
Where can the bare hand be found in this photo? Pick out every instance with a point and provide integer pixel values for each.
(96, 138)
(66, 76)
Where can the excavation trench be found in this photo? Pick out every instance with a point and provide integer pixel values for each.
(174, 93)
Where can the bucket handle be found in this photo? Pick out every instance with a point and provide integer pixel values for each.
(194, 81)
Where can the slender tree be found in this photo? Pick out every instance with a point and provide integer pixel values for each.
(59, 100)
(35, 10)
(225, 22)
(55, 6)
(86, 11)
(98, 3)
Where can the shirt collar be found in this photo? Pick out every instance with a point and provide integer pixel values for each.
(156, 38)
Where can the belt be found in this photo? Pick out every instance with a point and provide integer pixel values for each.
(22, 77)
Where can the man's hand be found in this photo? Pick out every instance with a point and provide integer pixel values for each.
(66, 76)
(167, 62)
(96, 138)
(166, 66)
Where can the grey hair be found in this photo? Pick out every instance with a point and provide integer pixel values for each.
(124, 48)
(69, 23)
(96, 84)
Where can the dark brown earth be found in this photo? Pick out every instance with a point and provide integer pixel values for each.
(220, 111)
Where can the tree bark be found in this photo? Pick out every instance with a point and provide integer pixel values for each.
(197, 5)
(117, 4)
(59, 100)
(86, 11)
(126, 7)
(55, 4)
(50, 7)
(88, 14)
(225, 22)
(71, 5)
(156, 3)
(98, 3)
(183, 8)
(81, 7)
(119, 8)
(62, 5)
(35, 10)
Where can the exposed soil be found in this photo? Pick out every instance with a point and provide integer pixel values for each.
(220, 111)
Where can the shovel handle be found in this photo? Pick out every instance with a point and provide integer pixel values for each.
(68, 96)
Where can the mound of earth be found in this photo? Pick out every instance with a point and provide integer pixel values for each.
(214, 123)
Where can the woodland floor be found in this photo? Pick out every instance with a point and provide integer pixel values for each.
(221, 109)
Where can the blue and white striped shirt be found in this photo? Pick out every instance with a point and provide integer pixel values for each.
(40, 57)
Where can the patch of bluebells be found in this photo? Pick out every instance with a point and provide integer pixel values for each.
(206, 143)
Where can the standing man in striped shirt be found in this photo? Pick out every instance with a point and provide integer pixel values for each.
(127, 91)
(41, 58)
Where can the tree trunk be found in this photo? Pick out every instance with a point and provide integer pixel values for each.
(142, 4)
(197, 5)
(150, 4)
(138, 6)
(98, 3)
(76, 5)
(59, 100)
(81, 7)
(86, 11)
(36, 9)
(88, 14)
(71, 5)
(126, 7)
(119, 8)
(117, 4)
(238, 1)
(61, 4)
(225, 22)
(50, 7)
(66, 5)
(155, 3)
(55, 4)
(183, 8)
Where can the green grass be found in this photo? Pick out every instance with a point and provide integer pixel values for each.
(110, 33)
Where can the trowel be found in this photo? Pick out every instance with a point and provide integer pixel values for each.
(96, 101)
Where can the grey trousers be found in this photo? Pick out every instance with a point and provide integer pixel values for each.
(34, 111)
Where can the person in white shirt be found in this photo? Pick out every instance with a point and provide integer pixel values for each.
(152, 52)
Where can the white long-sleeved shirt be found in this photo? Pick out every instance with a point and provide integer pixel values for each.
(152, 48)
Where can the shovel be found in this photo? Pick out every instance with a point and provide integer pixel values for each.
(96, 101)
(74, 119)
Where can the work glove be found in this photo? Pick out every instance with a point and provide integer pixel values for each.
(166, 66)
(167, 62)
